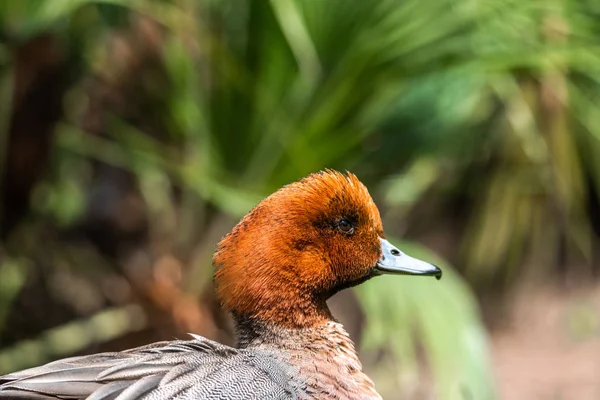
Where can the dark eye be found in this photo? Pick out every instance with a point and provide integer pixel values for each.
(345, 226)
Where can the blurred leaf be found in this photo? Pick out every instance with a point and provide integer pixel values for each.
(72, 337)
(13, 273)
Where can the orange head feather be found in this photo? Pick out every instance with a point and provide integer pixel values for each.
(298, 247)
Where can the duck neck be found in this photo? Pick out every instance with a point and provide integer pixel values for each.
(293, 309)
(324, 355)
(252, 331)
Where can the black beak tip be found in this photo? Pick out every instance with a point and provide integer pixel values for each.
(437, 273)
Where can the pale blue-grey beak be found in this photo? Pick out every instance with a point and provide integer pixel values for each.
(393, 261)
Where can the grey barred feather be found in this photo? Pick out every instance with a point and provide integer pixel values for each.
(194, 369)
(278, 364)
(109, 391)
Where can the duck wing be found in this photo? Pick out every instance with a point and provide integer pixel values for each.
(182, 370)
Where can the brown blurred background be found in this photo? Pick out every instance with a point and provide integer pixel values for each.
(134, 134)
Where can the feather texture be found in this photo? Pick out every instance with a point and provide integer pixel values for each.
(194, 369)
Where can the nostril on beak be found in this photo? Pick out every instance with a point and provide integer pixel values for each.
(395, 252)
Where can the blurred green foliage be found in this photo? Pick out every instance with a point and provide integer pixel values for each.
(473, 124)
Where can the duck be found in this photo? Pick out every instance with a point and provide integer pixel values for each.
(273, 272)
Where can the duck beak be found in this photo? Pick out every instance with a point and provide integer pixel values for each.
(393, 261)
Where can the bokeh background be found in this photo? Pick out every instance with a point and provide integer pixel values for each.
(135, 133)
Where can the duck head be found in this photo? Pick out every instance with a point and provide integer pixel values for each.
(300, 246)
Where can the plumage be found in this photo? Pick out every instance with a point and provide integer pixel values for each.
(194, 369)
(274, 273)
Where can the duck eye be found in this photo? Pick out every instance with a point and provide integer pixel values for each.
(345, 226)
